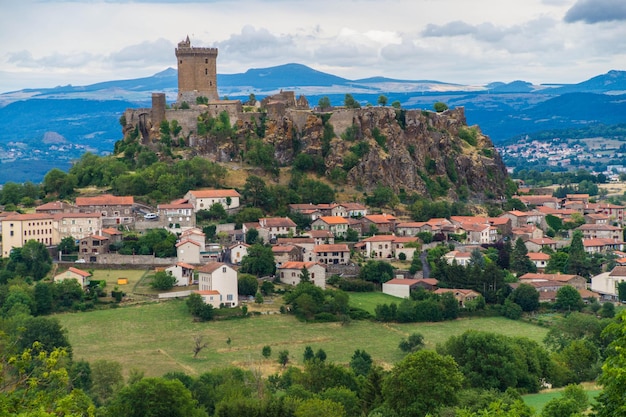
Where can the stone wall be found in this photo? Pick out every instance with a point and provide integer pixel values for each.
(145, 260)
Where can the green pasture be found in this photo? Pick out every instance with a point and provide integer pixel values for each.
(159, 337)
(369, 300)
(537, 401)
(111, 276)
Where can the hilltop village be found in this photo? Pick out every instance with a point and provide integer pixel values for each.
(219, 230)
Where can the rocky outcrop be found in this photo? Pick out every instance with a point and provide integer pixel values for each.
(417, 151)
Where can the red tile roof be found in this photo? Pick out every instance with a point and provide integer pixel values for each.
(79, 272)
(105, 200)
(340, 247)
(214, 193)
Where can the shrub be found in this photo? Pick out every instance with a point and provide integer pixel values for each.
(469, 135)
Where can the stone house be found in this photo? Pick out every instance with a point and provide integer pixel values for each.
(400, 246)
(337, 254)
(286, 253)
(384, 223)
(219, 277)
(463, 296)
(290, 273)
(600, 245)
(535, 245)
(378, 247)
(54, 207)
(91, 246)
(115, 210)
(76, 225)
(178, 215)
(272, 227)
(575, 281)
(409, 228)
(602, 231)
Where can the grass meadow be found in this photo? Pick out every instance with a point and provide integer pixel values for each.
(159, 337)
(537, 401)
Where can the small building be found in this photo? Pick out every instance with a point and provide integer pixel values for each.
(286, 253)
(177, 215)
(379, 247)
(290, 273)
(76, 225)
(540, 260)
(536, 245)
(237, 251)
(400, 287)
(383, 223)
(606, 283)
(273, 227)
(91, 246)
(183, 273)
(188, 251)
(80, 276)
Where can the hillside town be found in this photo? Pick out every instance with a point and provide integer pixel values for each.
(209, 266)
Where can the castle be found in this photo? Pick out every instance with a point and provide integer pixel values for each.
(197, 95)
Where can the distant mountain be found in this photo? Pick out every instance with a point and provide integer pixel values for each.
(87, 117)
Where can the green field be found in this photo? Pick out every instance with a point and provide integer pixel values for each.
(537, 401)
(158, 338)
(369, 300)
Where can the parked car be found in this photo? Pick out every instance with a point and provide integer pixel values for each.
(151, 216)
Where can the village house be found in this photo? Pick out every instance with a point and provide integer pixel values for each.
(380, 223)
(539, 200)
(615, 212)
(503, 225)
(575, 281)
(54, 207)
(309, 210)
(535, 245)
(337, 254)
(463, 296)
(461, 258)
(78, 275)
(530, 231)
(409, 228)
(183, 273)
(336, 225)
(177, 215)
(378, 247)
(115, 210)
(236, 252)
(602, 231)
(405, 245)
(76, 225)
(204, 199)
(596, 218)
(321, 237)
(286, 253)
(606, 283)
(91, 246)
(540, 260)
(291, 272)
(305, 244)
(217, 284)
(189, 251)
(18, 229)
(602, 245)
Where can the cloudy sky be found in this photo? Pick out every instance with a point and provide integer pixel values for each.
(45, 43)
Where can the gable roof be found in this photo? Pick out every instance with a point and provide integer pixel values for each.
(297, 265)
(105, 200)
(380, 218)
(333, 219)
(25, 217)
(339, 247)
(211, 267)
(212, 193)
(403, 281)
(276, 222)
(79, 272)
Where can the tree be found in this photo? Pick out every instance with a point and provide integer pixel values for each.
(155, 397)
(520, 262)
(266, 351)
(47, 332)
(324, 103)
(350, 102)
(316, 407)
(162, 280)
(67, 245)
(320, 355)
(31, 260)
(59, 183)
(308, 354)
(107, 379)
(376, 271)
(413, 343)
(572, 402)
(361, 362)
(283, 358)
(304, 275)
(611, 401)
(568, 298)
(607, 310)
(526, 296)
(198, 345)
(440, 107)
(252, 236)
(421, 383)
(259, 261)
(382, 100)
(396, 105)
(247, 285)
(577, 262)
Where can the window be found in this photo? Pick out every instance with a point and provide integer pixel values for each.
(224, 269)
(229, 297)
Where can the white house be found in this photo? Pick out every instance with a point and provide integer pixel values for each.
(188, 251)
(183, 273)
(204, 199)
(220, 280)
(82, 277)
(237, 252)
(606, 283)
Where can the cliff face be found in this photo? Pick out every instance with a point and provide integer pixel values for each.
(434, 154)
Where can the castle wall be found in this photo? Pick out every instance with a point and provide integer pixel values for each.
(158, 108)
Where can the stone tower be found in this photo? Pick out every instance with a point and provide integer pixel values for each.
(197, 72)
